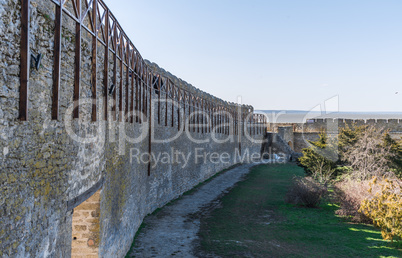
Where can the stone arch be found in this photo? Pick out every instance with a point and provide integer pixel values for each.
(290, 143)
(86, 228)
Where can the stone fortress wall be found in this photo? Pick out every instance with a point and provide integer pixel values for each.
(297, 135)
(60, 193)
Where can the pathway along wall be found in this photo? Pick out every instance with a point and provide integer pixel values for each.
(45, 173)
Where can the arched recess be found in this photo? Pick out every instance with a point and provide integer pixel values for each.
(86, 222)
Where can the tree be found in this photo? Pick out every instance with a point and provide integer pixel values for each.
(368, 156)
(364, 152)
(317, 160)
(348, 136)
(395, 160)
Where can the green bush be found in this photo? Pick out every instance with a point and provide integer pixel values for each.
(317, 160)
(385, 208)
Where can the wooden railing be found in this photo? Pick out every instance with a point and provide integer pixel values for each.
(94, 17)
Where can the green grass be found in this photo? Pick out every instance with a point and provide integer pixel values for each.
(255, 221)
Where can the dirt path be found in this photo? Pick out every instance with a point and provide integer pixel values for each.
(173, 230)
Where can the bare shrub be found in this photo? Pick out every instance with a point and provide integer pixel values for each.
(350, 194)
(305, 191)
(368, 156)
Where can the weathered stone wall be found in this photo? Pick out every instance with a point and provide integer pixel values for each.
(310, 131)
(286, 133)
(42, 168)
(301, 140)
(123, 215)
(316, 125)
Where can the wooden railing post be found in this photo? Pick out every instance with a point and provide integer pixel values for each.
(149, 84)
(77, 62)
(94, 59)
(24, 48)
(106, 66)
(57, 60)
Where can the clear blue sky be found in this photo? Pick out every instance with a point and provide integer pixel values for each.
(282, 54)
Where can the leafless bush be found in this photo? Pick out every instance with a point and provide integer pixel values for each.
(350, 195)
(305, 191)
(368, 156)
